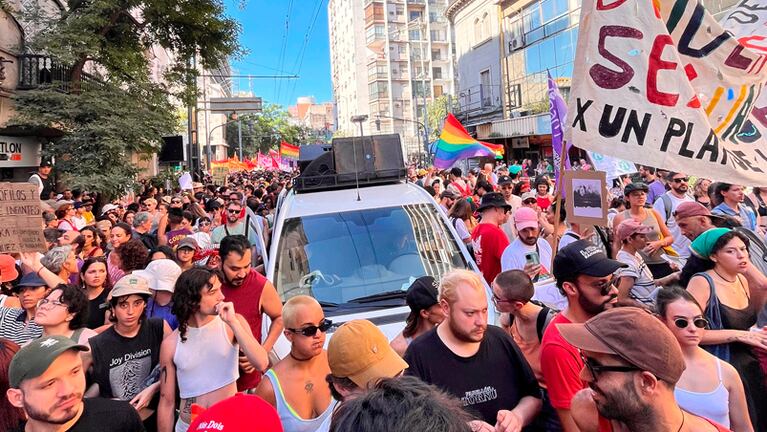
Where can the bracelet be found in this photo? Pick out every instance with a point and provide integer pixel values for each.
(39, 270)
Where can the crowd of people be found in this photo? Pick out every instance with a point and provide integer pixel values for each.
(148, 315)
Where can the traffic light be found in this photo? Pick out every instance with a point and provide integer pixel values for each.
(378, 124)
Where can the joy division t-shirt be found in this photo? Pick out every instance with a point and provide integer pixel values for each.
(120, 364)
(493, 379)
(101, 415)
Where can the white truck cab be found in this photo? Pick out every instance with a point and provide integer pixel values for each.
(356, 249)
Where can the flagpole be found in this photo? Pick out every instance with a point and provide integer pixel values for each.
(558, 209)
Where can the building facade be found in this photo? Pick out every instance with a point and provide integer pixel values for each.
(407, 61)
(478, 98)
(318, 117)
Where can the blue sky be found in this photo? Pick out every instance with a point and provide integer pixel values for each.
(263, 34)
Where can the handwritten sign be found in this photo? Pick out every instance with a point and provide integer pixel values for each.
(219, 174)
(21, 228)
(661, 83)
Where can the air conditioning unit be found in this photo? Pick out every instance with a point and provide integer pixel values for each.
(516, 42)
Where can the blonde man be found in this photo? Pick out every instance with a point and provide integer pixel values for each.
(478, 363)
(296, 385)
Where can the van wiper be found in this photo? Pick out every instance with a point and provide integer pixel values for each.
(389, 295)
(326, 303)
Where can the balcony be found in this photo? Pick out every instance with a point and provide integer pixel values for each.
(374, 14)
(536, 124)
(37, 71)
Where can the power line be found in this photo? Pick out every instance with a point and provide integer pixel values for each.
(307, 37)
(283, 50)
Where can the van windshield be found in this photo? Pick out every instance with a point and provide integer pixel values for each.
(348, 257)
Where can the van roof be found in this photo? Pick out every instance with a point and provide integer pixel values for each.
(333, 201)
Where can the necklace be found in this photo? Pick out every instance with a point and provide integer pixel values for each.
(298, 359)
(681, 425)
(725, 279)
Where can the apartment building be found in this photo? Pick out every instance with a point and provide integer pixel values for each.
(389, 60)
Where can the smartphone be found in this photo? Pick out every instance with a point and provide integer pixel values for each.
(533, 259)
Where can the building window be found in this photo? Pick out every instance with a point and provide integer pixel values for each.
(485, 26)
(437, 90)
(415, 34)
(477, 31)
(436, 54)
(436, 72)
(486, 88)
(415, 15)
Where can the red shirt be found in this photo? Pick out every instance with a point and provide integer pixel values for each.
(561, 365)
(247, 302)
(489, 242)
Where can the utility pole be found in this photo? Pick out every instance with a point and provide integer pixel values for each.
(239, 134)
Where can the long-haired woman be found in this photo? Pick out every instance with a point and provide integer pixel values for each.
(730, 307)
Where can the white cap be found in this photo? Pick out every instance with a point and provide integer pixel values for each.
(108, 208)
(160, 274)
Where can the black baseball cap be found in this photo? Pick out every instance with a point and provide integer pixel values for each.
(422, 294)
(46, 162)
(583, 258)
(504, 180)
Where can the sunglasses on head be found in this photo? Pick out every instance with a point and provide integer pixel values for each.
(312, 330)
(699, 322)
(681, 180)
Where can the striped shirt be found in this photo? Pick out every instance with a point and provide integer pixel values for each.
(14, 327)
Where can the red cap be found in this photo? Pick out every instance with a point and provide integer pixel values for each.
(239, 413)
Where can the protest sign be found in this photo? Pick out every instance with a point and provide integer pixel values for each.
(663, 84)
(21, 222)
(185, 181)
(219, 174)
(585, 197)
(613, 167)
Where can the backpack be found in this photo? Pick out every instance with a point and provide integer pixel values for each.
(666, 205)
(544, 318)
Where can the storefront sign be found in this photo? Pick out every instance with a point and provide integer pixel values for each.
(21, 228)
(19, 152)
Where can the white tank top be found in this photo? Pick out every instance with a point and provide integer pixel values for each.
(291, 421)
(207, 360)
(713, 405)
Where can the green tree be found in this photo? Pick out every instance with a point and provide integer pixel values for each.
(436, 111)
(110, 108)
(263, 132)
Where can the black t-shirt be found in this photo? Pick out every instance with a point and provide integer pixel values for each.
(493, 379)
(120, 364)
(101, 415)
(97, 315)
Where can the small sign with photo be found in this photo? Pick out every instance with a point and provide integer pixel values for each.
(586, 197)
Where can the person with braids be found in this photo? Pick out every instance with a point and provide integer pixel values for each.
(202, 354)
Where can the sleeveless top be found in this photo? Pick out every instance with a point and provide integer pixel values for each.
(291, 421)
(714, 405)
(247, 300)
(205, 347)
(651, 222)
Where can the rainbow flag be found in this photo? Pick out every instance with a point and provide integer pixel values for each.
(455, 144)
(288, 150)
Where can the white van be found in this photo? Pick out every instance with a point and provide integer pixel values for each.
(357, 250)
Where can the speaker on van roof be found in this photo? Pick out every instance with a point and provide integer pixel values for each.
(377, 157)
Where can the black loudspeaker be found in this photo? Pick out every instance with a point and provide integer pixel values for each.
(377, 156)
(172, 149)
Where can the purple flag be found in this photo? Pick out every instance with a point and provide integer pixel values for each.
(558, 112)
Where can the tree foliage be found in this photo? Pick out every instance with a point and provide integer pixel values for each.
(111, 107)
(436, 111)
(263, 132)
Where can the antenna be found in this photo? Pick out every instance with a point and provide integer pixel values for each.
(356, 169)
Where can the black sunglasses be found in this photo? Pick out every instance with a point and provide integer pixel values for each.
(312, 330)
(530, 201)
(681, 179)
(595, 369)
(699, 322)
(233, 211)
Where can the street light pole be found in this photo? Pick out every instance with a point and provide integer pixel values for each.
(360, 119)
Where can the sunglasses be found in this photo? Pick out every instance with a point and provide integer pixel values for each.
(530, 201)
(312, 330)
(681, 180)
(699, 322)
(204, 223)
(595, 369)
(232, 211)
(175, 201)
(605, 287)
(46, 301)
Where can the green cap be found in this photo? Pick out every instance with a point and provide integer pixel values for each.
(33, 360)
